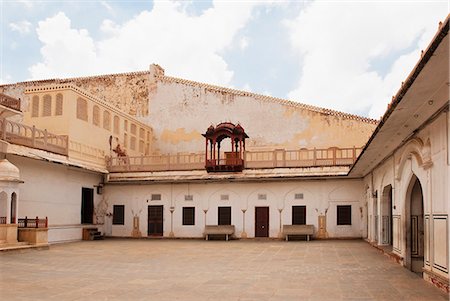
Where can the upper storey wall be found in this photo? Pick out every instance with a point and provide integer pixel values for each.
(179, 111)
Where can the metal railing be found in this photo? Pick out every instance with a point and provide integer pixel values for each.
(30, 136)
(252, 159)
(33, 222)
(9, 102)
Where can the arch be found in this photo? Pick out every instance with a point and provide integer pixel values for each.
(386, 215)
(414, 148)
(59, 104)
(96, 115)
(116, 124)
(13, 217)
(234, 159)
(3, 207)
(47, 105)
(106, 120)
(414, 220)
(35, 106)
(82, 108)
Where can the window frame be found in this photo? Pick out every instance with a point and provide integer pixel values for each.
(118, 220)
(294, 221)
(340, 220)
(188, 218)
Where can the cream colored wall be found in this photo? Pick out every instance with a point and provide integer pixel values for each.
(86, 132)
(54, 190)
(426, 157)
(319, 196)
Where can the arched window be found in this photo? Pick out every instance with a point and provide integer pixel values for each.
(47, 106)
(82, 109)
(35, 106)
(106, 120)
(59, 104)
(96, 115)
(116, 124)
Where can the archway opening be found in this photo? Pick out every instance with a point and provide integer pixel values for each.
(13, 208)
(375, 216)
(3, 207)
(386, 216)
(415, 226)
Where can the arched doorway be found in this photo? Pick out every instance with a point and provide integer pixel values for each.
(386, 216)
(375, 216)
(414, 226)
(3, 207)
(13, 207)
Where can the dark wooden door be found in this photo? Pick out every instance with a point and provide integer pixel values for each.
(155, 221)
(87, 205)
(261, 221)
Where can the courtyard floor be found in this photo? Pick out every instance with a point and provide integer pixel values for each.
(126, 269)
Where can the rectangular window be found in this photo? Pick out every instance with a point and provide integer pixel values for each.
(299, 215)
(118, 214)
(188, 216)
(224, 216)
(344, 215)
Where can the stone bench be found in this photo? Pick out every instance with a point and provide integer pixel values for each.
(226, 230)
(307, 230)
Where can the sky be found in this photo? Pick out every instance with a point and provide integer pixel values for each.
(349, 56)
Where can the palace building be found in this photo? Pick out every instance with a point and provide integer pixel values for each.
(143, 154)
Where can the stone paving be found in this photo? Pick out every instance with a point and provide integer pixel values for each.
(126, 269)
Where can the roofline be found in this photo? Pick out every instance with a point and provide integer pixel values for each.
(269, 98)
(425, 57)
(208, 86)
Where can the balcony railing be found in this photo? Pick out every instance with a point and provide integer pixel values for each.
(252, 159)
(21, 134)
(33, 222)
(9, 102)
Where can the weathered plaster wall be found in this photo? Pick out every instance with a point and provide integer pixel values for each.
(127, 91)
(318, 196)
(180, 111)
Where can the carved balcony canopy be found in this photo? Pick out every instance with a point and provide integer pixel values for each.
(234, 159)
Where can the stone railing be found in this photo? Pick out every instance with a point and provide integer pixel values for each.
(9, 102)
(252, 159)
(30, 136)
(86, 153)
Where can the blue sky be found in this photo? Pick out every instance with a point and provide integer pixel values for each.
(345, 55)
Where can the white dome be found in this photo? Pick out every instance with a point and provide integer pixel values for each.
(8, 171)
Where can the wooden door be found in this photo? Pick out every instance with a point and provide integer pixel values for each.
(87, 205)
(155, 220)
(261, 221)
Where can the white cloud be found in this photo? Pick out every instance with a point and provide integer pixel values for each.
(186, 46)
(339, 45)
(243, 43)
(107, 6)
(22, 27)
